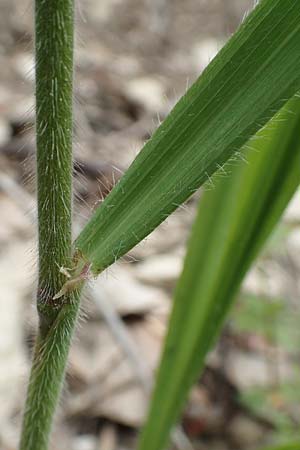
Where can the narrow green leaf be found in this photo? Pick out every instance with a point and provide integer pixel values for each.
(292, 446)
(243, 87)
(233, 222)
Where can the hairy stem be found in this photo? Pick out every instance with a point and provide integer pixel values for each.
(46, 377)
(54, 86)
(54, 21)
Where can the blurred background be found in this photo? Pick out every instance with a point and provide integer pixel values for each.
(134, 59)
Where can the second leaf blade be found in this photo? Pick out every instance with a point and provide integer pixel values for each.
(233, 222)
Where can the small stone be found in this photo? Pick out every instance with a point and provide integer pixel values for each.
(292, 213)
(203, 52)
(161, 270)
(247, 370)
(148, 92)
(4, 132)
(24, 66)
(84, 442)
(128, 295)
(245, 432)
(293, 241)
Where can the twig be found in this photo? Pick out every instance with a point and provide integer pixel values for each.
(130, 349)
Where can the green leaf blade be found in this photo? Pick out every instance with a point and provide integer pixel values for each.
(233, 222)
(291, 446)
(251, 78)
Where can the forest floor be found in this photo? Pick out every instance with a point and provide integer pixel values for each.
(134, 60)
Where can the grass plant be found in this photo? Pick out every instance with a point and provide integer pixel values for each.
(251, 78)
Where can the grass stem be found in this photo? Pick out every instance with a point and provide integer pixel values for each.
(54, 36)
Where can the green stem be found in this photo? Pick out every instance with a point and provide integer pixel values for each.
(54, 22)
(54, 98)
(47, 376)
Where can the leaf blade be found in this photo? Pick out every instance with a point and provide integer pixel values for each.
(233, 222)
(213, 120)
(291, 446)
